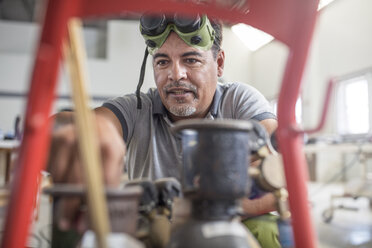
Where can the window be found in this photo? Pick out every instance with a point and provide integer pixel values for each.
(353, 105)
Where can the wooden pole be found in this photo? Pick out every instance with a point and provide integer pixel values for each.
(88, 143)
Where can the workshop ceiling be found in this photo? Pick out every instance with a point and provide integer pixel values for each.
(30, 11)
(19, 10)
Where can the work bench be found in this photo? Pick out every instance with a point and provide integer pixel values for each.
(8, 150)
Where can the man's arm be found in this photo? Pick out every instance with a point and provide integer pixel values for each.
(267, 202)
(258, 206)
(270, 124)
(111, 117)
(63, 161)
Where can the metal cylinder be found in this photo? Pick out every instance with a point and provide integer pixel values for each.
(216, 155)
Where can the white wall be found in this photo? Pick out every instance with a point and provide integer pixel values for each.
(267, 68)
(238, 59)
(341, 45)
(108, 77)
(117, 74)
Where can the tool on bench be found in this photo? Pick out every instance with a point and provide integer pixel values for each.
(155, 210)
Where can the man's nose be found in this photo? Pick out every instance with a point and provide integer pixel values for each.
(177, 72)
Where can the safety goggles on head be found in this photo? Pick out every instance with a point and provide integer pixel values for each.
(194, 31)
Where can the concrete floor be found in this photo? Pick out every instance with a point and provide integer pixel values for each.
(350, 226)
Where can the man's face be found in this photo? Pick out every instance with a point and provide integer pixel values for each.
(186, 77)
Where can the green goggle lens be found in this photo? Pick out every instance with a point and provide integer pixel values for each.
(201, 38)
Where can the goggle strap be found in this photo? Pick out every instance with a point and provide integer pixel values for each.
(140, 82)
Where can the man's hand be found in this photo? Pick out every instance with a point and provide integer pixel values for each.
(64, 162)
(267, 202)
(261, 205)
(258, 206)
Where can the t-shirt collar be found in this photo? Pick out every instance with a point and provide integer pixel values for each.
(158, 107)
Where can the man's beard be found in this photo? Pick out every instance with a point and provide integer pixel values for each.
(183, 110)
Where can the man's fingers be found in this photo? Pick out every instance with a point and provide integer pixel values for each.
(112, 151)
(113, 164)
(65, 162)
(68, 213)
(60, 156)
(75, 174)
(65, 165)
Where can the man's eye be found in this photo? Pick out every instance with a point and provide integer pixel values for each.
(191, 60)
(162, 62)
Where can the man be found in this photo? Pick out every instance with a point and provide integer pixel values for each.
(186, 70)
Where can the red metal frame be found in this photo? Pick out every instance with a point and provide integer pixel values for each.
(290, 21)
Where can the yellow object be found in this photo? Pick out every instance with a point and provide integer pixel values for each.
(88, 143)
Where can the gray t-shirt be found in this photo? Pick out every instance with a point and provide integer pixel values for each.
(153, 151)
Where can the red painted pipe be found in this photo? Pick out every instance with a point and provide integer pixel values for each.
(324, 113)
(290, 142)
(35, 145)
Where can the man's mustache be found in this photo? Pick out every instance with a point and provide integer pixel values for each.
(185, 85)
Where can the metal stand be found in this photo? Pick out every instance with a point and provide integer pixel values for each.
(289, 21)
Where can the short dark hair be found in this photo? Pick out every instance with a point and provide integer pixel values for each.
(217, 26)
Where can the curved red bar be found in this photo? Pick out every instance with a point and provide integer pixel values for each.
(289, 21)
(35, 144)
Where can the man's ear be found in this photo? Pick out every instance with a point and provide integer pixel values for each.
(220, 62)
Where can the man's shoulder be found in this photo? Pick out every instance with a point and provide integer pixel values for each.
(150, 96)
(152, 93)
(241, 101)
(235, 88)
(129, 101)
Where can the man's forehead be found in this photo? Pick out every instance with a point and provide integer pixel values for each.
(185, 54)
